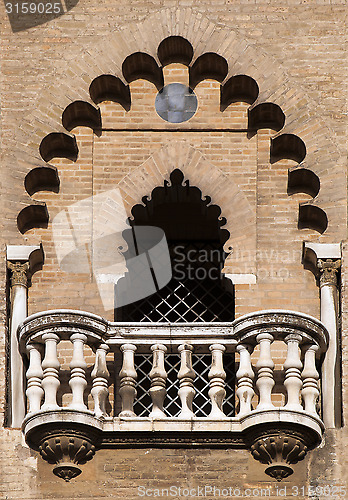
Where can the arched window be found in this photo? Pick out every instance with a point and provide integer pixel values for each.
(197, 291)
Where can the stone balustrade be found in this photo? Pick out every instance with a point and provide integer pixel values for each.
(304, 341)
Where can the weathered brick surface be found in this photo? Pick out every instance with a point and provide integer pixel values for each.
(295, 51)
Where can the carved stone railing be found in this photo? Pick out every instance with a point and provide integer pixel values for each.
(276, 435)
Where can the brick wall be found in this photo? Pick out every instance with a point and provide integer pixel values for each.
(295, 51)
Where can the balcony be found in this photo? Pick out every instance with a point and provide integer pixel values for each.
(84, 379)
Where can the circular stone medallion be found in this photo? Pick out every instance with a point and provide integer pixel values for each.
(176, 103)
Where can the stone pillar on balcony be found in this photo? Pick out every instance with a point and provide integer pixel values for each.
(310, 377)
(186, 377)
(34, 376)
(245, 379)
(128, 380)
(265, 380)
(22, 262)
(293, 367)
(158, 378)
(50, 366)
(217, 376)
(324, 260)
(100, 377)
(78, 366)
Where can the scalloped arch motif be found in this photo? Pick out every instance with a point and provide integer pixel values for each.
(140, 65)
(239, 215)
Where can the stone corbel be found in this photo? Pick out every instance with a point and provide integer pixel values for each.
(22, 262)
(324, 260)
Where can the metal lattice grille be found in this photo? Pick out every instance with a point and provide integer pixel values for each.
(201, 404)
(186, 301)
(196, 292)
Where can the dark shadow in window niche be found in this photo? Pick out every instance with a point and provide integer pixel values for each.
(26, 15)
(176, 103)
(198, 290)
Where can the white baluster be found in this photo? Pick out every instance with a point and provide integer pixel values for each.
(310, 377)
(50, 366)
(265, 381)
(100, 377)
(217, 376)
(245, 376)
(293, 367)
(34, 376)
(128, 378)
(78, 366)
(186, 376)
(158, 378)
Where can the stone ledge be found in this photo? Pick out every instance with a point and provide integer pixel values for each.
(276, 437)
(121, 425)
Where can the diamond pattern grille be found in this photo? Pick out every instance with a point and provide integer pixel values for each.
(201, 404)
(187, 301)
(197, 291)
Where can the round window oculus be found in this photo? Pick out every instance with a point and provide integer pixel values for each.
(176, 103)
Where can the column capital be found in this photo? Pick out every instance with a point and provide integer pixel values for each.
(23, 261)
(19, 273)
(323, 259)
(328, 269)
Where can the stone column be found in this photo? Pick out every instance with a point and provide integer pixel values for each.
(19, 284)
(324, 260)
(330, 384)
(22, 261)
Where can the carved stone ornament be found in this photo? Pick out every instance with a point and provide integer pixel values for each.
(67, 452)
(67, 448)
(328, 271)
(19, 273)
(279, 452)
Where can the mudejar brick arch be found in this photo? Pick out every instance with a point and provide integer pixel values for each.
(139, 65)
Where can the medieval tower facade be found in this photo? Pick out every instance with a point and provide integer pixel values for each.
(174, 313)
